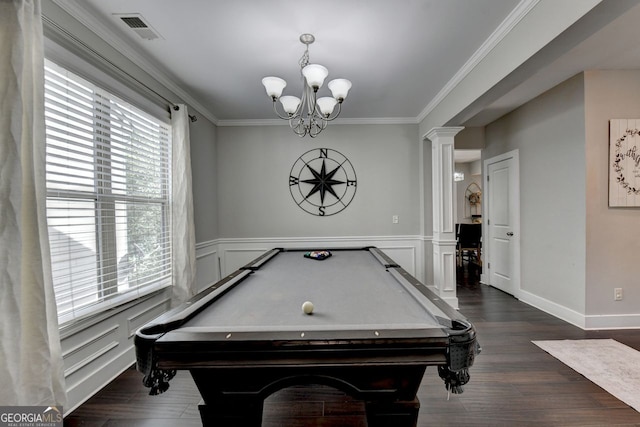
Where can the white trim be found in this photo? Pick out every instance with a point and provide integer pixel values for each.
(95, 380)
(553, 308)
(207, 243)
(612, 321)
(96, 355)
(97, 352)
(516, 15)
(353, 240)
(207, 264)
(589, 322)
(486, 243)
(206, 248)
(137, 320)
(88, 342)
(80, 12)
(339, 121)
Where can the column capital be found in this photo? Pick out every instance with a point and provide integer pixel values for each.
(443, 132)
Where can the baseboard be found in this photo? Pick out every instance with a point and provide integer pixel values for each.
(585, 322)
(555, 309)
(612, 321)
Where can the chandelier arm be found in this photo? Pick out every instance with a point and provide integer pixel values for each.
(300, 128)
(287, 117)
(316, 129)
(316, 126)
(328, 119)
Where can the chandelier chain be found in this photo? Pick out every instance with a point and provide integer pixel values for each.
(304, 60)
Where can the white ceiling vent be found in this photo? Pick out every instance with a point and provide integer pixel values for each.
(139, 25)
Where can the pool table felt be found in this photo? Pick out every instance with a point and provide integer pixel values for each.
(350, 290)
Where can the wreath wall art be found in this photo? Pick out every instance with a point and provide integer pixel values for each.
(624, 163)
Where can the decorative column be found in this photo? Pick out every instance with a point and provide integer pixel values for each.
(444, 233)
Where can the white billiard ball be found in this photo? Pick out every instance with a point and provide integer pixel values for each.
(307, 307)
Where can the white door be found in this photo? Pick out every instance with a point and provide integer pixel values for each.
(502, 219)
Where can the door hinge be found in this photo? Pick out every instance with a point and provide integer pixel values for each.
(488, 177)
(488, 265)
(488, 222)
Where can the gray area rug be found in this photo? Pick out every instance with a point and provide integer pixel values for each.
(611, 365)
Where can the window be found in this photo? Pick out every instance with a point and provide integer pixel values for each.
(108, 190)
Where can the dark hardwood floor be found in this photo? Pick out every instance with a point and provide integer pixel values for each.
(513, 383)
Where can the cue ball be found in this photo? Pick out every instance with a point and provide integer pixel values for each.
(307, 307)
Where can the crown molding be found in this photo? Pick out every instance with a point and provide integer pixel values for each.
(79, 11)
(505, 27)
(340, 121)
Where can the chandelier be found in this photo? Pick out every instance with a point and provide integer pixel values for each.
(308, 115)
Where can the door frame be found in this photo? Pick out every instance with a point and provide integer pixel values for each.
(515, 183)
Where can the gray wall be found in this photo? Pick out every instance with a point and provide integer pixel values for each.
(549, 134)
(253, 169)
(470, 138)
(205, 185)
(613, 234)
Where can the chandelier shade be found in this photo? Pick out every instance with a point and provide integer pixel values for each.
(274, 86)
(308, 115)
(315, 75)
(339, 88)
(290, 103)
(326, 105)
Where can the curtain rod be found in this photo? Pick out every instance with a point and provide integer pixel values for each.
(193, 118)
(66, 35)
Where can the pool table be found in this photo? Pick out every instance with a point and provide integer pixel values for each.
(373, 331)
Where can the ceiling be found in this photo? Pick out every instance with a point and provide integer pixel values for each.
(400, 59)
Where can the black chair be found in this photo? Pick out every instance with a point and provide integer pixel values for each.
(469, 244)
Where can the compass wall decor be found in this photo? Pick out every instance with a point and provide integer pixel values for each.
(322, 182)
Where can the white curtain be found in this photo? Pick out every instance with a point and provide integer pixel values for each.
(183, 230)
(31, 365)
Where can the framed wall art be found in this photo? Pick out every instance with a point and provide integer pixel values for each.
(624, 162)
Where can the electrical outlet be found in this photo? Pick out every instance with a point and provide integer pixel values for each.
(395, 219)
(617, 294)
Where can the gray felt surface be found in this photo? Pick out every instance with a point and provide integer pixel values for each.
(349, 290)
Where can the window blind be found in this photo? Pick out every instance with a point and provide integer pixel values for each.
(108, 167)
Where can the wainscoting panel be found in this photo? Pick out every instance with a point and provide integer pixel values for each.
(207, 265)
(147, 313)
(404, 256)
(98, 349)
(405, 250)
(81, 349)
(234, 258)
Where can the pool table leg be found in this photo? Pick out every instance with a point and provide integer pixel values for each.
(232, 412)
(393, 414)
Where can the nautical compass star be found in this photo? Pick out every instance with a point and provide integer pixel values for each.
(322, 182)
